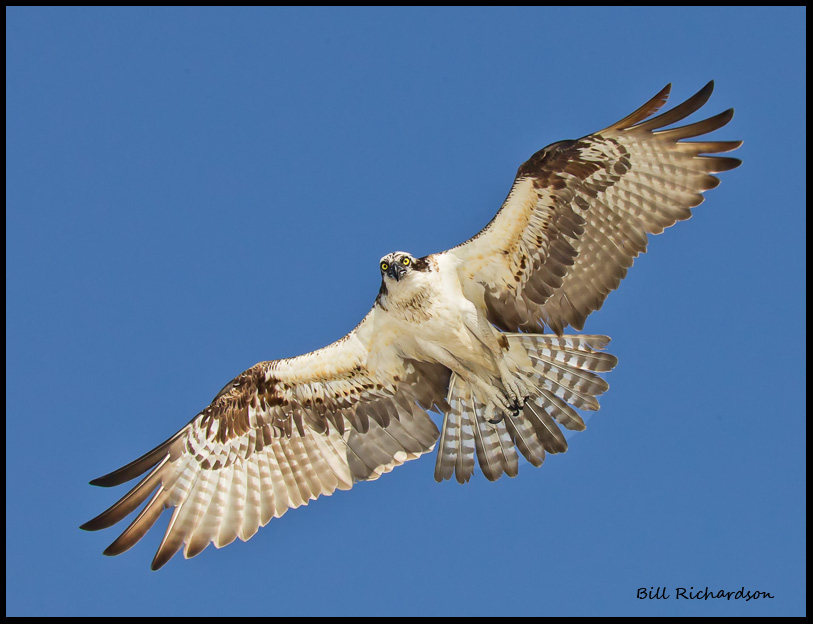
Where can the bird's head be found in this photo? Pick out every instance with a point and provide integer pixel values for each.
(396, 266)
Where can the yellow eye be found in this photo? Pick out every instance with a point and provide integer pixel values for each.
(384, 266)
(405, 261)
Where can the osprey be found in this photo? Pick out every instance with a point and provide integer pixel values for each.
(457, 332)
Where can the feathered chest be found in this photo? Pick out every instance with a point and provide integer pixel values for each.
(410, 304)
(431, 306)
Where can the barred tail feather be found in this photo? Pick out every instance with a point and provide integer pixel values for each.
(562, 374)
(496, 452)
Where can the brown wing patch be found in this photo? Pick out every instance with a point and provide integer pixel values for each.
(581, 210)
(427, 263)
(277, 436)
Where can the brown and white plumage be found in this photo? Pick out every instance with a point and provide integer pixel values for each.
(277, 436)
(287, 431)
(580, 211)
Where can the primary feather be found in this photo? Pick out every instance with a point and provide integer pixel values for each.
(287, 431)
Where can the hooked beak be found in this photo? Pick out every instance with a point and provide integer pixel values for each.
(396, 271)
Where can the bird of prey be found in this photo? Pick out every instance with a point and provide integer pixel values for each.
(459, 332)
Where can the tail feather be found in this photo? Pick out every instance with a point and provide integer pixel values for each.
(495, 449)
(448, 445)
(487, 445)
(580, 380)
(545, 427)
(561, 373)
(563, 413)
(523, 435)
(464, 464)
(510, 461)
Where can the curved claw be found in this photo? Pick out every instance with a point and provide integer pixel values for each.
(515, 406)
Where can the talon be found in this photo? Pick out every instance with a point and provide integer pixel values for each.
(518, 405)
(490, 417)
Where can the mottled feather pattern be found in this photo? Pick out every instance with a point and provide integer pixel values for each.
(563, 374)
(288, 431)
(279, 435)
(464, 462)
(581, 211)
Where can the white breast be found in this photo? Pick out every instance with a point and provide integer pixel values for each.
(430, 309)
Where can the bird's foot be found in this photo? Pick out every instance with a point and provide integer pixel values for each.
(508, 402)
(516, 391)
(494, 415)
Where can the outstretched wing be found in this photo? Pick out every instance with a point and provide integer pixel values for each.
(278, 435)
(580, 211)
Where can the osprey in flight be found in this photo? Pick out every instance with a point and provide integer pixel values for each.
(458, 332)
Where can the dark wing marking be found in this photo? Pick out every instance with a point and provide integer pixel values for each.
(579, 212)
(277, 436)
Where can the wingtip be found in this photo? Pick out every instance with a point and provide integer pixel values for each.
(661, 97)
(649, 108)
(160, 560)
(111, 479)
(96, 524)
(705, 93)
(87, 526)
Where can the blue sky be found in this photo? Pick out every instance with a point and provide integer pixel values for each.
(177, 182)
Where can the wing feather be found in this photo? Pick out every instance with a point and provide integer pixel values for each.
(580, 212)
(252, 516)
(288, 431)
(276, 437)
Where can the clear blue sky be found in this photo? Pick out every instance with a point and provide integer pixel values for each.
(178, 182)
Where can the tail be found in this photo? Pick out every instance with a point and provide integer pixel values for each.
(562, 372)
